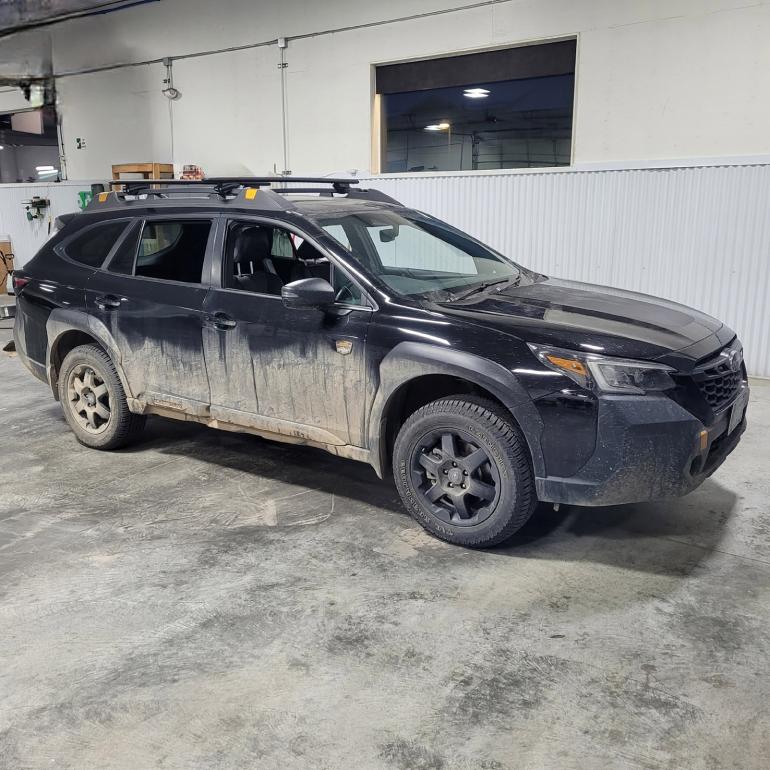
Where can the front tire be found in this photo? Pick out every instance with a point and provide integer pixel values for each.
(94, 401)
(463, 471)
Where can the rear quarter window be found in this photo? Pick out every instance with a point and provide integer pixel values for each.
(94, 244)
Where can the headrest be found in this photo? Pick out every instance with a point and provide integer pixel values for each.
(252, 243)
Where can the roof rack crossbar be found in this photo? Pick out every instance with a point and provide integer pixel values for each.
(258, 181)
(226, 185)
(273, 195)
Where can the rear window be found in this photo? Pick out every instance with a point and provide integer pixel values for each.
(93, 245)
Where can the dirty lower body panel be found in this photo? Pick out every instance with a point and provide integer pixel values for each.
(648, 449)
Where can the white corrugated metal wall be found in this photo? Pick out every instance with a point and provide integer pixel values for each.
(696, 235)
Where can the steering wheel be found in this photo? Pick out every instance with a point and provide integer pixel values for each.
(345, 290)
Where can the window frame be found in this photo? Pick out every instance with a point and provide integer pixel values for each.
(208, 255)
(61, 248)
(137, 224)
(378, 143)
(219, 264)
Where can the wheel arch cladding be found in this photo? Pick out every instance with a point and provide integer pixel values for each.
(407, 362)
(68, 329)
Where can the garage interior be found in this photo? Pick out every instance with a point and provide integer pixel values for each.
(208, 599)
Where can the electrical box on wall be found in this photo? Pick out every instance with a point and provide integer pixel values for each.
(35, 207)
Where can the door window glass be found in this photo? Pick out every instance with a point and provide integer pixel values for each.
(345, 290)
(250, 263)
(262, 259)
(92, 247)
(173, 250)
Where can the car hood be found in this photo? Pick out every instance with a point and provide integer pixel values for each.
(610, 321)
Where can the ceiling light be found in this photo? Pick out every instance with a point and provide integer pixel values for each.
(437, 127)
(1, 147)
(476, 93)
(44, 168)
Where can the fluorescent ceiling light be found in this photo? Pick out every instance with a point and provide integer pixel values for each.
(437, 127)
(476, 93)
(44, 168)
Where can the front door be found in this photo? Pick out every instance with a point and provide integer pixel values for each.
(150, 297)
(295, 372)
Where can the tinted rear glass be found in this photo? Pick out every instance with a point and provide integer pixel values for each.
(173, 250)
(93, 245)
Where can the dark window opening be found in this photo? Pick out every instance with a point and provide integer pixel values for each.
(29, 144)
(94, 245)
(173, 251)
(499, 109)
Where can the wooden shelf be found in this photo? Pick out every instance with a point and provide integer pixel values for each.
(147, 170)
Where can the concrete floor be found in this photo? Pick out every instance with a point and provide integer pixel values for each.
(210, 600)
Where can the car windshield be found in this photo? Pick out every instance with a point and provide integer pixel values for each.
(417, 256)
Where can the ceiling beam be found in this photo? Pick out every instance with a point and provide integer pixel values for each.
(17, 15)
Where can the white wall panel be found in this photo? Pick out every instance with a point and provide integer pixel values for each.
(700, 236)
(659, 79)
(27, 237)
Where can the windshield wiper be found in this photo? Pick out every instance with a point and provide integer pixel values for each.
(486, 285)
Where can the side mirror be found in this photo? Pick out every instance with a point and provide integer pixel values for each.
(308, 292)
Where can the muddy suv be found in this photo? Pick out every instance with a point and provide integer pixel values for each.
(333, 316)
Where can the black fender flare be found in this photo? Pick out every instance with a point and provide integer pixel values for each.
(410, 360)
(63, 320)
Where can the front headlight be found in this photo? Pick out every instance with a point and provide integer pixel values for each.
(605, 374)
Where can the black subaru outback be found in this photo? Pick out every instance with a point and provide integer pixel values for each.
(335, 317)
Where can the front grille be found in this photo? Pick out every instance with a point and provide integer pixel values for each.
(720, 390)
(720, 378)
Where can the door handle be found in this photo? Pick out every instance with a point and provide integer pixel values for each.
(107, 302)
(221, 321)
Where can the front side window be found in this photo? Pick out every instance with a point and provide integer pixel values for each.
(263, 258)
(93, 245)
(417, 256)
(173, 250)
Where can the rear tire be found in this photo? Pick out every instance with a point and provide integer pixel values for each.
(463, 471)
(93, 400)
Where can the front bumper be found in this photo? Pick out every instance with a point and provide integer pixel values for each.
(646, 448)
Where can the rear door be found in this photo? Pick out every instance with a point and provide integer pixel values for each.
(298, 372)
(150, 296)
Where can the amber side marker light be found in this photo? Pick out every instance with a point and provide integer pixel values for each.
(704, 440)
(568, 364)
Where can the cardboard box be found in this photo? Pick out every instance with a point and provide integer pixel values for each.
(6, 263)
